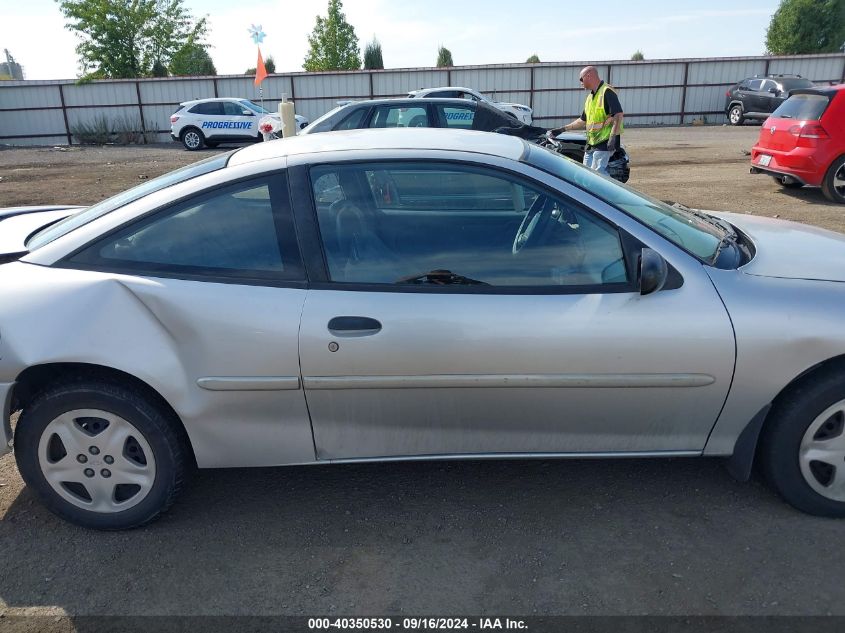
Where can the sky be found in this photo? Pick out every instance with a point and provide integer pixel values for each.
(475, 31)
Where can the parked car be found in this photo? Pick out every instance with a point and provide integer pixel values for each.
(457, 114)
(803, 142)
(210, 122)
(758, 96)
(521, 113)
(433, 293)
(17, 224)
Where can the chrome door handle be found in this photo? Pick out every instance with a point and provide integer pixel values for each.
(353, 326)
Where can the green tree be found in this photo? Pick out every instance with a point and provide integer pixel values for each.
(192, 60)
(333, 43)
(533, 59)
(444, 58)
(269, 66)
(806, 26)
(637, 56)
(124, 38)
(372, 56)
(159, 69)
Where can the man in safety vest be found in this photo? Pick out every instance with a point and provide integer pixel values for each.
(602, 116)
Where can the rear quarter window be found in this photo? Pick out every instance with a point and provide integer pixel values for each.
(804, 107)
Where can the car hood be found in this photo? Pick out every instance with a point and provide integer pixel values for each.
(790, 250)
(15, 230)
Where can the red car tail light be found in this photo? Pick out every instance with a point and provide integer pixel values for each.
(809, 130)
(808, 134)
(174, 118)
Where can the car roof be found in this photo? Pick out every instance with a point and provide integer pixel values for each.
(194, 101)
(410, 102)
(423, 139)
(444, 88)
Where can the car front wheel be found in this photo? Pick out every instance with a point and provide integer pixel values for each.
(803, 446)
(100, 455)
(192, 139)
(833, 185)
(735, 115)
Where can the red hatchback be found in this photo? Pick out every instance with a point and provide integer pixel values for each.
(803, 142)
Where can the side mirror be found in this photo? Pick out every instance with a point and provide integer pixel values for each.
(774, 91)
(246, 112)
(653, 271)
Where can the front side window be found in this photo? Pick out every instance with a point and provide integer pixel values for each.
(230, 108)
(393, 116)
(435, 224)
(242, 230)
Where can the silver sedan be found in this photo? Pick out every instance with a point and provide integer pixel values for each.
(413, 294)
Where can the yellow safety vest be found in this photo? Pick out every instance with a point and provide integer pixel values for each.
(599, 124)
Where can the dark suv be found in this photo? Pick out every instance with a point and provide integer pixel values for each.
(758, 96)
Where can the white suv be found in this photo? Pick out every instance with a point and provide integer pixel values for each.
(224, 120)
(518, 111)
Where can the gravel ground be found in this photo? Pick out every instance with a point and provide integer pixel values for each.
(537, 537)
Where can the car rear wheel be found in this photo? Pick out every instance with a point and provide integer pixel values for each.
(803, 446)
(789, 184)
(833, 185)
(192, 139)
(735, 115)
(100, 455)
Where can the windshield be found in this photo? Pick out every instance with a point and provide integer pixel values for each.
(693, 231)
(254, 107)
(325, 122)
(808, 107)
(100, 209)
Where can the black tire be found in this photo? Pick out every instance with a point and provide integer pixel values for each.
(735, 115)
(782, 435)
(192, 139)
(792, 184)
(156, 426)
(836, 171)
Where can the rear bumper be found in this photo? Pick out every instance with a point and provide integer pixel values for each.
(802, 163)
(6, 410)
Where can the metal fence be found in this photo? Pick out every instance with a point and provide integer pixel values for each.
(654, 92)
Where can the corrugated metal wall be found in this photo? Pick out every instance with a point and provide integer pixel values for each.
(655, 92)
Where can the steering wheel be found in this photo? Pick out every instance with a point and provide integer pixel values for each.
(529, 224)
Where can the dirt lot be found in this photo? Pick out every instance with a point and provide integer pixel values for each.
(591, 537)
(704, 167)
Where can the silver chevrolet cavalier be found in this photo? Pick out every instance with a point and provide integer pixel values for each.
(412, 294)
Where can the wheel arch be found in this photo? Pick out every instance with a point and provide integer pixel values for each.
(33, 380)
(741, 462)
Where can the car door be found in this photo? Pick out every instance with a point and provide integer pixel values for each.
(772, 96)
(755, 100)
(211, 118)
(240, 121)
(217, 285)
(435, 331)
